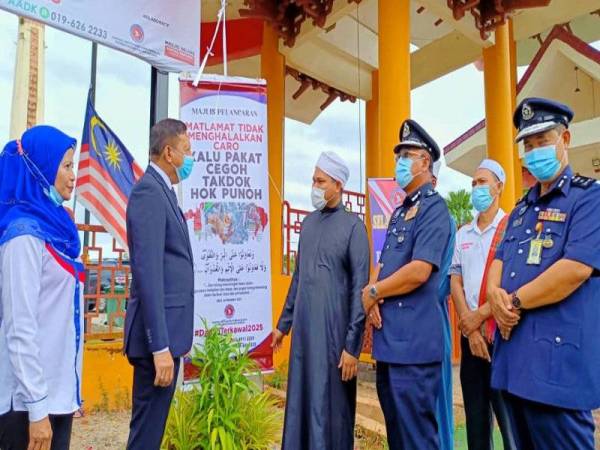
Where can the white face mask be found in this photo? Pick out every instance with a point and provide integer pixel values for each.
(317, 197)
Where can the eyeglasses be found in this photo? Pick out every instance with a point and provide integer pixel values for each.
(408, 154)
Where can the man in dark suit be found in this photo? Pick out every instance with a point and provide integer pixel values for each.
(159, 321)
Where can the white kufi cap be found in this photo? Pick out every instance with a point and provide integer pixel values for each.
(493, 167)
(334, 166)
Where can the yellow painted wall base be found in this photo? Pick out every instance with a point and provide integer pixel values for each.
(280, 286)
(107, 377)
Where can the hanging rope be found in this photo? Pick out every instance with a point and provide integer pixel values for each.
(224, 9)
(360, 146)
(209, 52)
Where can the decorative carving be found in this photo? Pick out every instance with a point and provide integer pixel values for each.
(309, 82)
(489, 14)
(287, 16)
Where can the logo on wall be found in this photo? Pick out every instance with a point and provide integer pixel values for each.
(229, 311)
(136, 32)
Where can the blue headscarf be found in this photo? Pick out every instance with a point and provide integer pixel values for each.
(27, 169)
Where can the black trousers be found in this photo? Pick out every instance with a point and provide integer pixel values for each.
(150, 405)
(14, 430)
(482, 402)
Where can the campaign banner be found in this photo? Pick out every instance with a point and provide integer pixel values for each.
(226, 205)
(384, 197)
(156, 31)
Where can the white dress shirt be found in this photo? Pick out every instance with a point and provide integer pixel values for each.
(41, 330)
(162, 174)
(470, 255)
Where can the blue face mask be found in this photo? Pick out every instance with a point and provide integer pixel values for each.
(542, 162)
(481, 198)
(186, 168)
(404, 172)
(54, 196)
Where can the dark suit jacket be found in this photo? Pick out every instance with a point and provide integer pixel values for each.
(160, 311)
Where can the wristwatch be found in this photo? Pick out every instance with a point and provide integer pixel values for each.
(373, 292)
(516, 301)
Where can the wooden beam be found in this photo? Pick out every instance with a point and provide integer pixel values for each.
(465, 26)
(309, 31)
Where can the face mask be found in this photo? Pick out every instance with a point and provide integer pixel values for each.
(186, 168)
(404, 172)
(481, 198)
(54, 196)
(543, 163)
(317, 197)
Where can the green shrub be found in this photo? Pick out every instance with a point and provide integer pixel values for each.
(225, 411)
(278, 379)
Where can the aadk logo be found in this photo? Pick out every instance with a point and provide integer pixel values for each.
(136, 32)
(229, 311)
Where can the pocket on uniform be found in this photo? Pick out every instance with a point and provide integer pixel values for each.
(556, 354)
(402, 320)
(509, 245)
(553, 232)
(403, 238)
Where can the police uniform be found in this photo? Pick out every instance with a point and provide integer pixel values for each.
(409, 346)
(550, 366)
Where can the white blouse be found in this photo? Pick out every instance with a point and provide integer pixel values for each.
(41, 329)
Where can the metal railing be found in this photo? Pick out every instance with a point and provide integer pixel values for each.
(108, 277)
(292, 222)
(355, 202)
(106, 288)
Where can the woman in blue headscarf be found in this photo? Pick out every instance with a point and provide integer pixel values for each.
(41, 291)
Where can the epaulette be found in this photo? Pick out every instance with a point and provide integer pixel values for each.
(582, 182)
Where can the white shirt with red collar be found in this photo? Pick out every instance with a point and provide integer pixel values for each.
(470, 255)
(41, 329)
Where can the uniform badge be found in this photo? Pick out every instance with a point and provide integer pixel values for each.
(552, 215)
(547, 242)
(405, 131)
(527, 112)
(400, 238)
(517, 222)
(523, 209)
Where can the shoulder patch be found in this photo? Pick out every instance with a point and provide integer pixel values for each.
(582, 182)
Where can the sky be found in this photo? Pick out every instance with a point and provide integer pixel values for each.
(123, 99)
(446, 108)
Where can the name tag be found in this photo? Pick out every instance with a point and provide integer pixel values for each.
(535, 252)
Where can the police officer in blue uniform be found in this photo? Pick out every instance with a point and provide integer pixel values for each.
(544, 291)
(401, 298)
